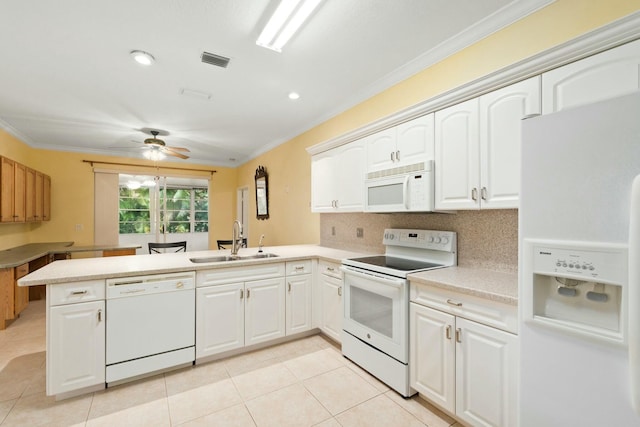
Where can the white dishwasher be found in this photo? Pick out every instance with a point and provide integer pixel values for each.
(150, 324)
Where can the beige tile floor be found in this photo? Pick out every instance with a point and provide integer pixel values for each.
(301, 383)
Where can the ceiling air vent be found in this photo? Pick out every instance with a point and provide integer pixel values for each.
(213, 59)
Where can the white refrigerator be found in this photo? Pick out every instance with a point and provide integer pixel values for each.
(579, 293)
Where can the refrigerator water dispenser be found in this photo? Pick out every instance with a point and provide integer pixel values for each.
(577, 288)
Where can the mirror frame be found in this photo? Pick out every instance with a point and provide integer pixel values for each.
(261, 173)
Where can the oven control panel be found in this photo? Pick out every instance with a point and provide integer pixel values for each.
(424, 239)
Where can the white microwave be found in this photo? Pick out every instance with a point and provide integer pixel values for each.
(408, 192)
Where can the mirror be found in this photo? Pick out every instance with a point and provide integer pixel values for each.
(262, 194)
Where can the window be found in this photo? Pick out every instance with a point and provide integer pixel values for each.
(180, 210)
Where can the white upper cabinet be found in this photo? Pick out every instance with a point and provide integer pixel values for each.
(406, 144)
(501, 114)
(457, 153)
(606, 75)
(337, 179)
(477, 148)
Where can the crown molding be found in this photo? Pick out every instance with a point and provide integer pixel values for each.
(606, 37)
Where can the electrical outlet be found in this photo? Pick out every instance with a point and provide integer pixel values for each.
(333, 231)
(359, 232)
(79, 227)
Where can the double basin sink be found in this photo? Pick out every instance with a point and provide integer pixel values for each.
(225, 258)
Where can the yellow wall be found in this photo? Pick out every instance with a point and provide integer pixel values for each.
(72, 193)
(289, 165)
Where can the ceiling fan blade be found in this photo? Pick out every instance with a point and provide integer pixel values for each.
(179, 149)
(170, 152)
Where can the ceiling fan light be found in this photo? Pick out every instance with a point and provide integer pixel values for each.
(142, 58)
(154, 155)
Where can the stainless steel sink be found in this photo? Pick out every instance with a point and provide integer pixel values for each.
(260, 255)
(225, 258)
(221, 258)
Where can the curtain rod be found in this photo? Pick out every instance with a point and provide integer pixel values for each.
(92, 162)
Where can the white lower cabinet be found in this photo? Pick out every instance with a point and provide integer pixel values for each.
(219, 319)
(329, 300)
(264, 310)
(467, 368)
(75, 346)
(298, 304)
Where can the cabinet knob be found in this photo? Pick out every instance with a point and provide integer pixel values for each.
(483, 193)
(456, 303)
(100, 315)
(474, 194)
(392, 156)
(448, 332)
(83, 292)
(458, 335)
(241, 293)
(289, 287)
(340, 291)
(248, 293)
(398, 156)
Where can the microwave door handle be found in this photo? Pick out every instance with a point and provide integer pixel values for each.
(405, 192)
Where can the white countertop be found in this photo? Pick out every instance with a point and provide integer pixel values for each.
(74, 270)
(487, 284)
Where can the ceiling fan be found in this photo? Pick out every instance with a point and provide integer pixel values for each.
(158, 148)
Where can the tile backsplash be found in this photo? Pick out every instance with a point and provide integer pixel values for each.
(486, 239)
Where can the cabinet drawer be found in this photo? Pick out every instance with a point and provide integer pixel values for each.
(298, 267)
(69, 293)
(223, 276)
(490, 313)
(330, 269)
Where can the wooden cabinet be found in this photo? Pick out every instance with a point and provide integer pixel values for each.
(477, 148)
(612, 73)
(406, 144)
(464, 366)
(25, 194)
(7, 190)
(75, 346)
(328, 300)
(337, 179)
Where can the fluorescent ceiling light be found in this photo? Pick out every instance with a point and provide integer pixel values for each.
(286, 20)
(142, 58)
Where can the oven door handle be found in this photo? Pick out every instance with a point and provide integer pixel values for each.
(387, 281)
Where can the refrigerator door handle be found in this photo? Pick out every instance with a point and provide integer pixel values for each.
(634, 294)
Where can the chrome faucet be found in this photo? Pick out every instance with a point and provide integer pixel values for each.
(260, 243)
(237, 237)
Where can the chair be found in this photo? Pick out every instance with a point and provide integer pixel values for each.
(223, 244)
(180, 247)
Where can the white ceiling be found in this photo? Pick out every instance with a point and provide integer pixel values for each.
(67, 81)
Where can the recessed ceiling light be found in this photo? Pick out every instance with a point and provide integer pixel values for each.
(294, 95)
(142, 57)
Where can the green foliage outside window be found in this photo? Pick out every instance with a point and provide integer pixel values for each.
(187, 210)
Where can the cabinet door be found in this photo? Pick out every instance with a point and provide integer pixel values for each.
(606, 75)
(381, 150)
(264, 310)
(432, 358)
(322, 182)
(219, 319)
(331, 304)
(30, 195)
(19, 187)
(415, 143)
(75, 347)
(39, 196)
(501, 114)
(350, 173)
(486, 375)
(46, 199)
(6, 189)
(20, 293)
(457, 170)
(298, 304)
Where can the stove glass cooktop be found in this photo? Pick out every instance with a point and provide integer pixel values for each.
(401, 264)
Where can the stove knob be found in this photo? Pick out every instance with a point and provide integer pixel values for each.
(430, 239)
(445, 240)
(438, 240)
